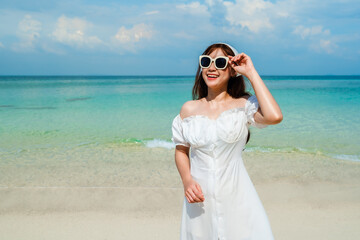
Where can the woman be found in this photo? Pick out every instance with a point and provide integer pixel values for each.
(220, 200)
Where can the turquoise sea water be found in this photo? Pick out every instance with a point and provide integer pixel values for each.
(321, 113)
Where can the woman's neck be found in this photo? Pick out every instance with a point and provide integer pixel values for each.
(217, 96)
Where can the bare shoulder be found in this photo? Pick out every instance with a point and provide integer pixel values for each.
(189, 108)
(242, 100)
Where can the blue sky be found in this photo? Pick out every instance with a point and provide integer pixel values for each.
(91, 37)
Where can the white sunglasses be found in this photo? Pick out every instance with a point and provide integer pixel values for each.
(220, 61)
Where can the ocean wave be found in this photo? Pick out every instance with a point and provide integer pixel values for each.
(354, 158)
(165, 144)
(159, 143)
(170, 145)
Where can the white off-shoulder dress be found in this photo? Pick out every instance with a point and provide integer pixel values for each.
(232, 209)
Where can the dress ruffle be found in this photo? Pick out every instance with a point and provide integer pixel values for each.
(251, 107)
(177, 132)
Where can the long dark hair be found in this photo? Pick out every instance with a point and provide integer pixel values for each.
(236, 87)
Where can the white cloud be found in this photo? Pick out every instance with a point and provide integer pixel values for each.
(306, 32)
(319, 39)
(29, 32)
(72, 31)
(112, 27)
(2, 45)
(253, 15)
(326, 45)
(184, 35)
(134, 34)
(194, 8)
(131, 39)
(209, 2)
(52, 48)
(152, 12)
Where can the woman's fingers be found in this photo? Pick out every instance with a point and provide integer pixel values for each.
(194, 196)
(232, 61)
(193, 192)
(238, 57)
(190, 199)
(241, 63)
(241, 57)
(200, 193)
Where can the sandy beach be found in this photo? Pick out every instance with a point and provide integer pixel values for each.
(306, 196)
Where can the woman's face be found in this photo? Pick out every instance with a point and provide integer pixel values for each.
(213, 77)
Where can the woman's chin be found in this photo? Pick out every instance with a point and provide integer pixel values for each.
(213, 85)
(211, 80)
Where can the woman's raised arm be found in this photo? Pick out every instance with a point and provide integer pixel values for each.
(269, 111)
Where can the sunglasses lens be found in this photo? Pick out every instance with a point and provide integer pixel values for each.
(220, 63)
(205, 62)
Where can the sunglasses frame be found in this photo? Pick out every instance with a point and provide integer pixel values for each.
(213, 60)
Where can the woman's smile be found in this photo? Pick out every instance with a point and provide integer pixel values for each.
(212, 76)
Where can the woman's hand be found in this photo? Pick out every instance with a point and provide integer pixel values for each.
(193, 192)
(242, 64)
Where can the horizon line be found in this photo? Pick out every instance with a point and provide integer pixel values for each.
(161, 75)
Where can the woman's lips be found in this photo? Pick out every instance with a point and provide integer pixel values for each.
(212, 77)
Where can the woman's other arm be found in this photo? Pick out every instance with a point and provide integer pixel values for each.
(192, 189)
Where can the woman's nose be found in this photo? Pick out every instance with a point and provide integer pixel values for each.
(212, 66)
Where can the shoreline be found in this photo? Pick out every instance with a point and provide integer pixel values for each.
(138, 166)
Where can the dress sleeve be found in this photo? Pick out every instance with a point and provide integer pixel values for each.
(177, 132)
(251, 108)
